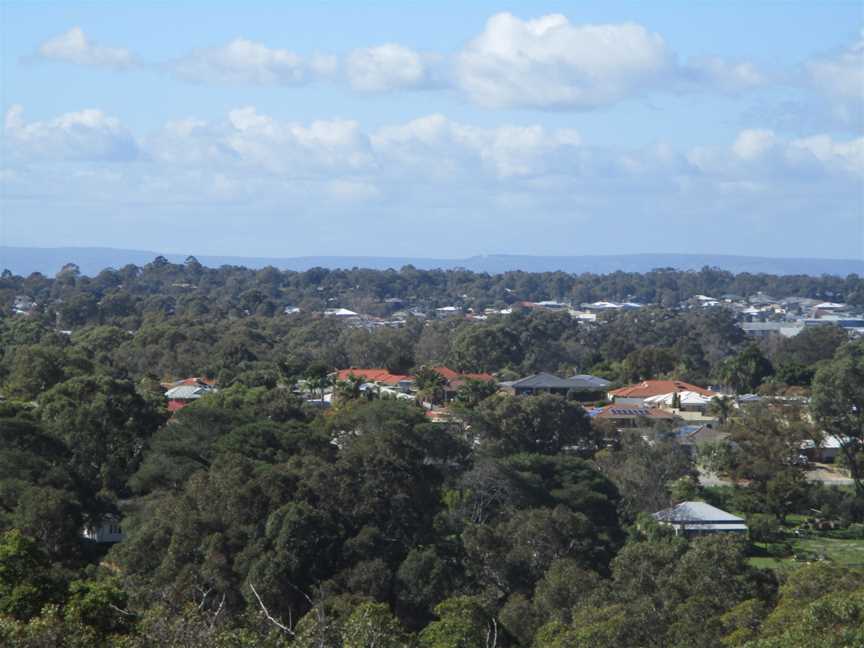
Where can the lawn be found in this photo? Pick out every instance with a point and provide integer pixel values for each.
(842, 551)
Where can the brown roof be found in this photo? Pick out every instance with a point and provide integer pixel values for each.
(649, 388)
(618, 411)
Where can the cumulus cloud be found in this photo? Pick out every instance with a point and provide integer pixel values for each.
(762, 154)
(342, 179)
(506, 151)
(714, 73)
(545, 62)
(73, 46)
(86, 135)
(752, 143)
(840, 80)
(245, 61)
(388, 67)
(550, 63)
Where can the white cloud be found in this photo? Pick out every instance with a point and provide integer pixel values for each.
(840, 80)
(426, 168)
(334, 180)
(550, 63)
(86, 135)
(763, 155)
(387, 67)
(714, 73)
(245, 61)
(751, 144)
(848, 156)
(506, 151)
(73, 46)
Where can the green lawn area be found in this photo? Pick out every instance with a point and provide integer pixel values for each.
(841, 551)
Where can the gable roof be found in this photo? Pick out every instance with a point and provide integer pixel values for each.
(454, 376)
(543, 381)
(187, 392)
(373, 375)
(590, 382)
(195, 380)
(697, 513)
(648, 388)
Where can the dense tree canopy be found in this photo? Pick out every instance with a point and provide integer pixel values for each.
(253, 517)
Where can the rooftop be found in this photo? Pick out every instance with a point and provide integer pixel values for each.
(550, 381)
(696, 513)
(649, 388)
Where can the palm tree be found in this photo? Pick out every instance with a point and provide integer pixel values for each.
(430, 385)
(722, 407)
(349, 389)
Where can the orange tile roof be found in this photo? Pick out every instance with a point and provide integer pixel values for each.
(372, 375)
(456, 378)
(649, 388)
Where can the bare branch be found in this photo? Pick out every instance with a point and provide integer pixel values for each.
(492, 634)
(275, 622)
(121, 611)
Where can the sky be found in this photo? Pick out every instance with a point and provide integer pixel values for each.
(434, 129)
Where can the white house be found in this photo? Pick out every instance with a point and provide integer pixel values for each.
(700, 518)
(108, 531)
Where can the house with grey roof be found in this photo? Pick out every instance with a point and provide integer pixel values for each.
(583, 387)
(700, 518)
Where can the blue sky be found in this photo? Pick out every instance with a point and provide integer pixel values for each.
(435, 129)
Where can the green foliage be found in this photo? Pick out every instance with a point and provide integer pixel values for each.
(504, 424)
(462, 623)
(106, 424)
(838, 405)
(253, 519)
(747, 370)
(26, 582)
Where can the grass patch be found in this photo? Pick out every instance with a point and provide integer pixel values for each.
(842, 551)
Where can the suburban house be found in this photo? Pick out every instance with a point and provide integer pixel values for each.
(700, 518)
(382, 377)
(447, 311)
(183, 392)
(340, 313)
(107, 531)
(633, 416)
(23, 305)
(403, 384)
(692, 437)
(455, 380)
(584, 387)
(639, 393)
(826, 451)
(686, 401)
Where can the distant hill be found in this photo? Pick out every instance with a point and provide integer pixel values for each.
(23, 261)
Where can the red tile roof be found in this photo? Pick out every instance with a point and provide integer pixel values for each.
(372, 375)
(455, 379)
(189, 381)
(649, 388)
